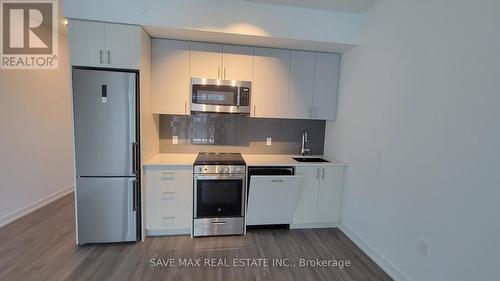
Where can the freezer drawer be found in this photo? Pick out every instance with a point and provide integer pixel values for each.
(106, 209)
(272, 199)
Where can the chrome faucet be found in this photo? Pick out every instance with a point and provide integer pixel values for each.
(303, 150)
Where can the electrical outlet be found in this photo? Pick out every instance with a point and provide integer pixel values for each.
(175, 140)
(269, 141)
(424, 248)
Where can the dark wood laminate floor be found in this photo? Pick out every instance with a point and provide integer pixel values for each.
(41, 246)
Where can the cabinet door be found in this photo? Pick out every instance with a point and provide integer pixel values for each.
(170, 76)
(306, 210)
(330, 194)
(123, 46)
(326, 82)
(206, 60)
(269, 95)
(301, 85)
(237, 63)
(87, 43)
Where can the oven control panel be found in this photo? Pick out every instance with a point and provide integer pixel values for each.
(220, 169)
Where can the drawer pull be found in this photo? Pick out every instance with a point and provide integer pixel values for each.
(218, 223)
(276, 180)
(168, 218)
(167, 178)
(168, 192)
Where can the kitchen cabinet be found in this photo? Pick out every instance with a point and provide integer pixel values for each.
(226, 62)
(102, 44)
(326, 84)
(313, 85)
(306, 210)
(237, 63)
(170, 77)
(206, 60)
(330, 194)
(301, 85)
(269, 97)
(320, 200)
(169, 200)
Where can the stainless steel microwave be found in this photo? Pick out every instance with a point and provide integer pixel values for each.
(220, 96)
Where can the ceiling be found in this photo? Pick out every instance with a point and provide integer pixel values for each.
(350, 6)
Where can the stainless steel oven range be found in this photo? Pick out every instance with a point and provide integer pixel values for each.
(219, 194)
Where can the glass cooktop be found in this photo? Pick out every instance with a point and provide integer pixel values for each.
(213, 158)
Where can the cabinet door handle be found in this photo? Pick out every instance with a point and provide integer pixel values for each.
(218, 72)
(224, 72)
(317, 173)
(101, 57)
(185, 107)
(323, 176)
(109, 57)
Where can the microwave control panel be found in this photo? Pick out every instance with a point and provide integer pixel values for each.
(244, 96)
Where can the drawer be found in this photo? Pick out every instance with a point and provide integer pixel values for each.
(161, 217)
(169, 191)
(173, 173)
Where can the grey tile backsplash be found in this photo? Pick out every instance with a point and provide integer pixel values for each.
(237, 133)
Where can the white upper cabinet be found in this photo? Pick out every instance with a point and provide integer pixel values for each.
(301, 85)
(123, 46)
(170, 77)
(326, 81)
(237, 63)
(269, 96)
(87, 43)
(226, 62)
(206, 60)
(104, 45)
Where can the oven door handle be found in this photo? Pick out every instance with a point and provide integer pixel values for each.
(219, 177)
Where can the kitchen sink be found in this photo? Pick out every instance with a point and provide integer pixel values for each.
(310, 159)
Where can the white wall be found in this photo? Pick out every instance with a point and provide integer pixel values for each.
(36, 155)
(225, 16)
(424, 88)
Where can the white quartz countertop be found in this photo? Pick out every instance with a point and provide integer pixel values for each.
(286, 160)
(167, 159)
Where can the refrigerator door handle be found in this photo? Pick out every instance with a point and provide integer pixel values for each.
(135, 197)
(135, 150)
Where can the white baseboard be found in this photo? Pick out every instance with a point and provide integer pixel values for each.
(379, 259)
(5, 220)
(314, 225)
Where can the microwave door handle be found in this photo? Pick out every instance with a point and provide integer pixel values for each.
(238, 95)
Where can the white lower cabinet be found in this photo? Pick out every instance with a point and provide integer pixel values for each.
(320, 200)
(169, 200)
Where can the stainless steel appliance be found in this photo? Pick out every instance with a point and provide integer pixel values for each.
(219, 194)
(221, 96)
(106, 156)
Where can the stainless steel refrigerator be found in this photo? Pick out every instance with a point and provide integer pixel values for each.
(106, 155)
